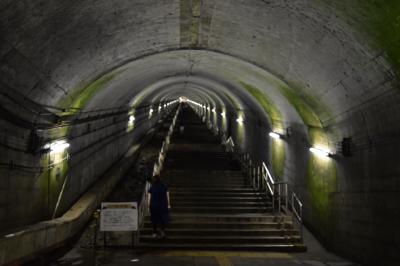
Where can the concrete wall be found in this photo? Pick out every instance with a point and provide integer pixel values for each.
(30, 194)
(31, 241)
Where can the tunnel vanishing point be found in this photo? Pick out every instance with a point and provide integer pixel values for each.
(83, 82)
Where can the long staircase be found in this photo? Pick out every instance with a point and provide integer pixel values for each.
(213, 206)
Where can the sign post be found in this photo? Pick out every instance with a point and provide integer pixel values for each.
(118, 217)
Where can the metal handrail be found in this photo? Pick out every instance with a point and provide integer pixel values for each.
(143, 208)
(280, 193)
(261, 179)
(268, 178)
(230, 146)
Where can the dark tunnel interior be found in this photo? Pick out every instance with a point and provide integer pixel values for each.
(310, 88)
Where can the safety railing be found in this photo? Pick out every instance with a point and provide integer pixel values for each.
(229, 145)
(143, 207)
(284, 199)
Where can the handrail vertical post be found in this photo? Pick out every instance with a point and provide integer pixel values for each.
(301, 223)
(273, 198)
(293, 207)
(286, 197)
(279, 197)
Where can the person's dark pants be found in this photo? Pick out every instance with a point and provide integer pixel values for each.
(159, 219)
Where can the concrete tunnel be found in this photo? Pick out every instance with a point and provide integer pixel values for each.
(94, 77)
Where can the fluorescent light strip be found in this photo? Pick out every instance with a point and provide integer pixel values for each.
(275, 135)
(320, 152)
(57, 146)
(240, 120)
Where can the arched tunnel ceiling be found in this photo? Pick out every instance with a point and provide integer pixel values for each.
(214, 73)
(51, 49)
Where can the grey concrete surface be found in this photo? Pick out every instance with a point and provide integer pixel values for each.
(26, 241)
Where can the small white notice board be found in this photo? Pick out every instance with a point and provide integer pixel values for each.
(119, 216)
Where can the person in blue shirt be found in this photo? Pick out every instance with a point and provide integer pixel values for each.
(159, 205)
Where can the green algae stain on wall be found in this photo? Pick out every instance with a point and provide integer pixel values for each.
(267, 104)
(55, 166)
(378, 19)
(321, 178)
(278, 147)
(81, 97)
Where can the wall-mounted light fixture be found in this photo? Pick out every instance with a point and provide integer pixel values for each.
(275, 135)
(223, 114)
(320, 152)
(57, 146)
(240, 120)
(213, 110)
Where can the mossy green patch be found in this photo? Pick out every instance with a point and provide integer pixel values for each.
(321, 178)
(275, 116)
(55, 170)
(278, 158)
(56, 165)
(81, 97)
(321, 182)
(303, 109)
(267, 104)
(377, 19)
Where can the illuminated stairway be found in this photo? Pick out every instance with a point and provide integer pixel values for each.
(212, 206)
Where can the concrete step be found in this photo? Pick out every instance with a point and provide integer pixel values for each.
(216, 190)
(227, 218)
(212, 165)
(210, 175)
(213, 204)
(201, 180)
(224, 209)
(229, 228)
(229, 239)
(190, 146)
(177, 198)
(229, 185)
(227, 247)
(229, 192)
(195, 230)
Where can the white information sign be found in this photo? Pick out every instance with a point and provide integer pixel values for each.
(119, 216)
